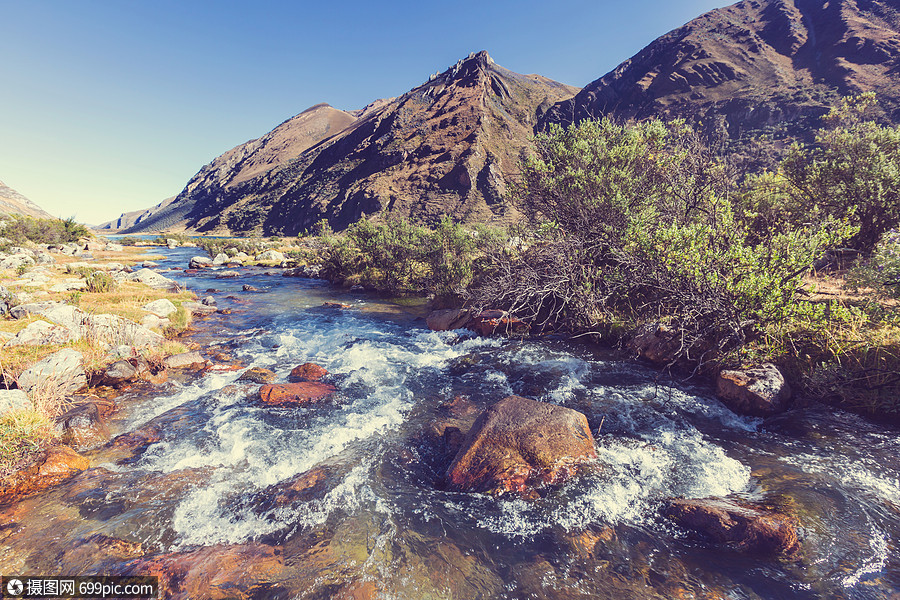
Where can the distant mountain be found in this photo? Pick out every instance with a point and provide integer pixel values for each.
(12, 202)
(131, 219)
(448, 146)
(759, 66)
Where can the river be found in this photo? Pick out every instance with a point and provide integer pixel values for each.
(375, 520)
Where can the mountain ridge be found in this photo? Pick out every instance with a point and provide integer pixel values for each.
(12, 202)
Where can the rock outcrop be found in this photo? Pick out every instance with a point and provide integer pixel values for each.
(518, 444)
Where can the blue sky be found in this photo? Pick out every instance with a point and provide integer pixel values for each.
(112, 106)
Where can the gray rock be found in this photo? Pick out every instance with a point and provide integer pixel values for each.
(110, 247)
(119, 373)
(14, 401)
(270, 255)
(198, 309)
(58, 375)
(153, 279)
(200, 262)
(209, 301)
(153, 322)
(23, 310)
(149, 264)
(760, 391)
(40, 333)
(68, 286)
(220, 259)
(171, 243)
(185, 360)
(82, 428)
(15, 261)
(45, 258)
(228, 274)
(161, 308)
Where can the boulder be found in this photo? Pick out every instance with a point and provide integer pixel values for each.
(160, 308)
(68, 286)
(291, 394)
(15, 261)
(209, 301)
(14, 401)
(59, 374)
(489, 322)
(759, 391)
(519, 443)
(200, 262)
(308, 271)
(40, 333)
(153, 279)
(197, 309)
(149, 264)
(220, 259)
(337, 305)
(448, 319)
(249, 288)
(257, 375)
(82, 428)
(154, 322)
(655, 342)
(227, 274)
(270, 256)
(307, 372)
(740, 526)
(186, 360)
(112, 247)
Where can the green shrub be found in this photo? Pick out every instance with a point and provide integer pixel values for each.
(880, 272)
(20, 229)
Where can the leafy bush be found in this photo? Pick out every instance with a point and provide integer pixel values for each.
(881, 271)
(20, 229)
(638, 223)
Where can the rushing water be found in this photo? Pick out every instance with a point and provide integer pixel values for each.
(375, 517)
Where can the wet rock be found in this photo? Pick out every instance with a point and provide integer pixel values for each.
(742, 527)
(41, 333)
(307, 372)
(215, 572)
(186, 360)
(200, 262)
(655, 342)
(149, 264)
(228, 275)
(119, 373)
(54, 466)
(448, 319)
(160, 308)
(335, 305)
(60, 374)
(291, 394)
(249, 288)
(209, 301)
(14, 401)
(490, 322)
(257, 375)
(519, 443)
(760, 391)
(197, 309)
(87, 552)
(138, 438)
(82, 427)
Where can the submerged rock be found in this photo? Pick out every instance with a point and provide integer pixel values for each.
(307, 372)
(288, 394)
(760, 391)
(82, 428)
(519, 443)
(228, 274)
(55, 466)
(742, 527)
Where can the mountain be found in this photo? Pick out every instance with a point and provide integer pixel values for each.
(131, 219)
(448, 146)
(759, 66)
(14, 203)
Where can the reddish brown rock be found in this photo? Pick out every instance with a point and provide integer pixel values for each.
(742, 527)
(138, 438)
(55, 466)
(490, 322)
(334, 305)
(655, 342)
(448, 319)
(186, 360)
(519, 443)
(212, 572)
(282, 394)
(307, 372)
(760, 391)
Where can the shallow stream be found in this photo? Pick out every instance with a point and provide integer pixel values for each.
(375, 522)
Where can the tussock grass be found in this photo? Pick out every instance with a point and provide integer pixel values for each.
(22, 435)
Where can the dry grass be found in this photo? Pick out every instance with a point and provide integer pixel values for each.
(22, 435)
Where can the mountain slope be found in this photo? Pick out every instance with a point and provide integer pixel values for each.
(770, 66)
(446, 147)
(14, 203)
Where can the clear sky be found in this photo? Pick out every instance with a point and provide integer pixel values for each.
(111, 106)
